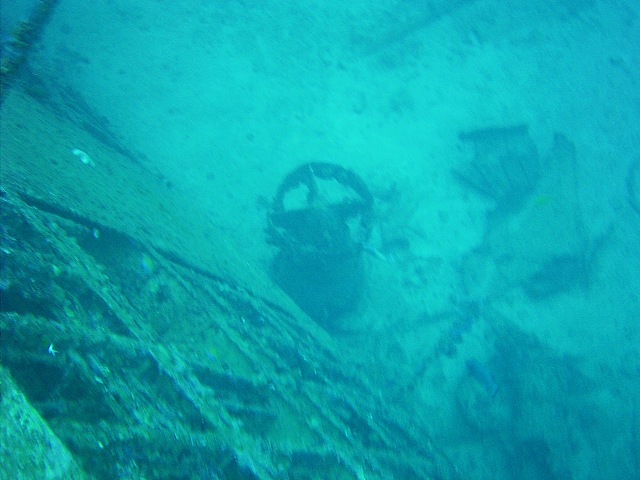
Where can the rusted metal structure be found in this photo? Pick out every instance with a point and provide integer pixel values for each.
(131, 350)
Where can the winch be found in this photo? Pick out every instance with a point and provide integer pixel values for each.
(319, 220)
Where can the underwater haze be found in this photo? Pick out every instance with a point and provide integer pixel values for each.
(496, 302)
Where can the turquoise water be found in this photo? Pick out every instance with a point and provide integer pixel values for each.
(515, 253)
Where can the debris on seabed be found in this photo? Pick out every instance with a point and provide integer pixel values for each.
(83, 156)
